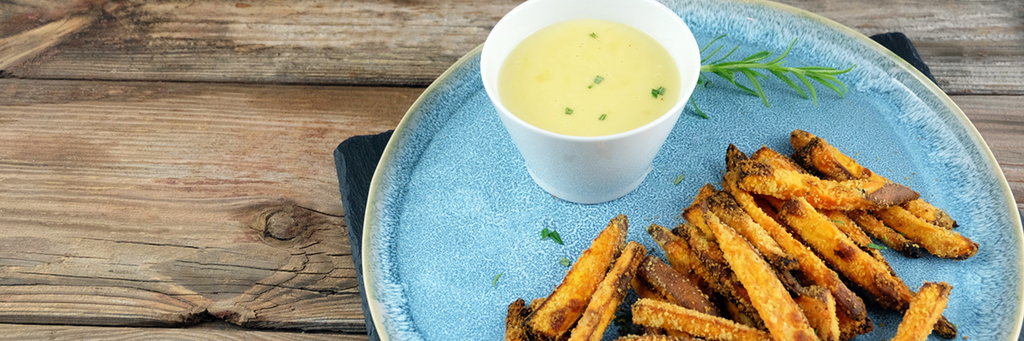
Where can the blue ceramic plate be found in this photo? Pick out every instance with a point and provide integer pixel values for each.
(452, 207)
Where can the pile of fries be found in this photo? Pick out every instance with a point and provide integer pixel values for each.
(771, 256)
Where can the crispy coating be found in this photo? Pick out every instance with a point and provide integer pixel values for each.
(836, 248)
(820, 308)
(723, 280)
(850, 328)
(668, 283)
(514, 328)
(765, 179)
(650, 337)
(609, 295)
(777, 309)
(726, 208)
(670, 316)
(938, 241)
(924, 312)
(682, 258)
(566, 304)
(933, 215)
(810, 264)
(877, 230)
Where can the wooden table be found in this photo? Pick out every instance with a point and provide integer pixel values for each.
(168, 163)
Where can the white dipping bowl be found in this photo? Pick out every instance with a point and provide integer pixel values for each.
(592, 169)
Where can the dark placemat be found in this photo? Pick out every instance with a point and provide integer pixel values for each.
(356, 159)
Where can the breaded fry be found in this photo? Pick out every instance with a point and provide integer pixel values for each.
(514, 328)
(777, 309)
(644, 289)
(848, 226)
(815, 153)
(726, 208)
(850, 328)
(877, 230)
(669, 316)
(682, 258)
(654, 338)
(609, 295)
(933, 215)
(668, 283)
(764, 179)
(924, 311)
(836, 248)
(723, 281)
(820, 308)
(565, 305)
(938, 241)
(695, 213)
(811, 266)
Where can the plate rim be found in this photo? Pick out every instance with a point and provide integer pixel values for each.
(369, 219)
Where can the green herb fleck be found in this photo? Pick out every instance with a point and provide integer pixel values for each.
(877, 247)
(494, 283)
(678, 180)
(591, 86)
(544, 234)
(564, 261)
(603, 116)
(661, 90)
(554, 236)
(593, 35)
(568, 111)
(840, 222)
(656, 92)
(598, 79)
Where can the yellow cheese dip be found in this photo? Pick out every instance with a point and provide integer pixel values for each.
(588, 78)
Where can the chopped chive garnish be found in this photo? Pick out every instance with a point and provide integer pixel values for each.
(568, 111)
(603, 116)
(544, 234)
(564, 261)
(840, 222)
(494, 283)
(591, 86)
(678, 180)
(661, 90)
(877, 247)
(598, 79)
(654, 93)
(554, 236)
(593, 35)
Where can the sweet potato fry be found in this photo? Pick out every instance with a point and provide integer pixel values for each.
(514, 328)
(654, 338)
(723, 280)
(933, 215)
(777, 309)
(726, 208)
(682, 258)
(762, 178)
(669, 316)
(815, 153)
(938, 241)
(609, 295)
(565, 305)
(676, 289)
(924, 312)
(820, 308)
(850, 328)
(811, 266)
(836, 248)
(877, 230)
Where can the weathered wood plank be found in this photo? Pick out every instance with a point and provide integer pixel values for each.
(212, 331)
(1000, 120)
(153, 204)
(972, 47)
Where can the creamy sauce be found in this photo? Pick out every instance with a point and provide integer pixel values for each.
(588, 78)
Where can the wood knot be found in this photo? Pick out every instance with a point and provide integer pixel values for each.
(281, 225)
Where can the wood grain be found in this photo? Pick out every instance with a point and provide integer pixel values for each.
(1000, 120)
(212, 331)
(974, 47)
(155, 204)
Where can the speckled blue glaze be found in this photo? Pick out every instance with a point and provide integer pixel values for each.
(452, 205)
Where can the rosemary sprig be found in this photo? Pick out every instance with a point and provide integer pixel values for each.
(752, 67)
